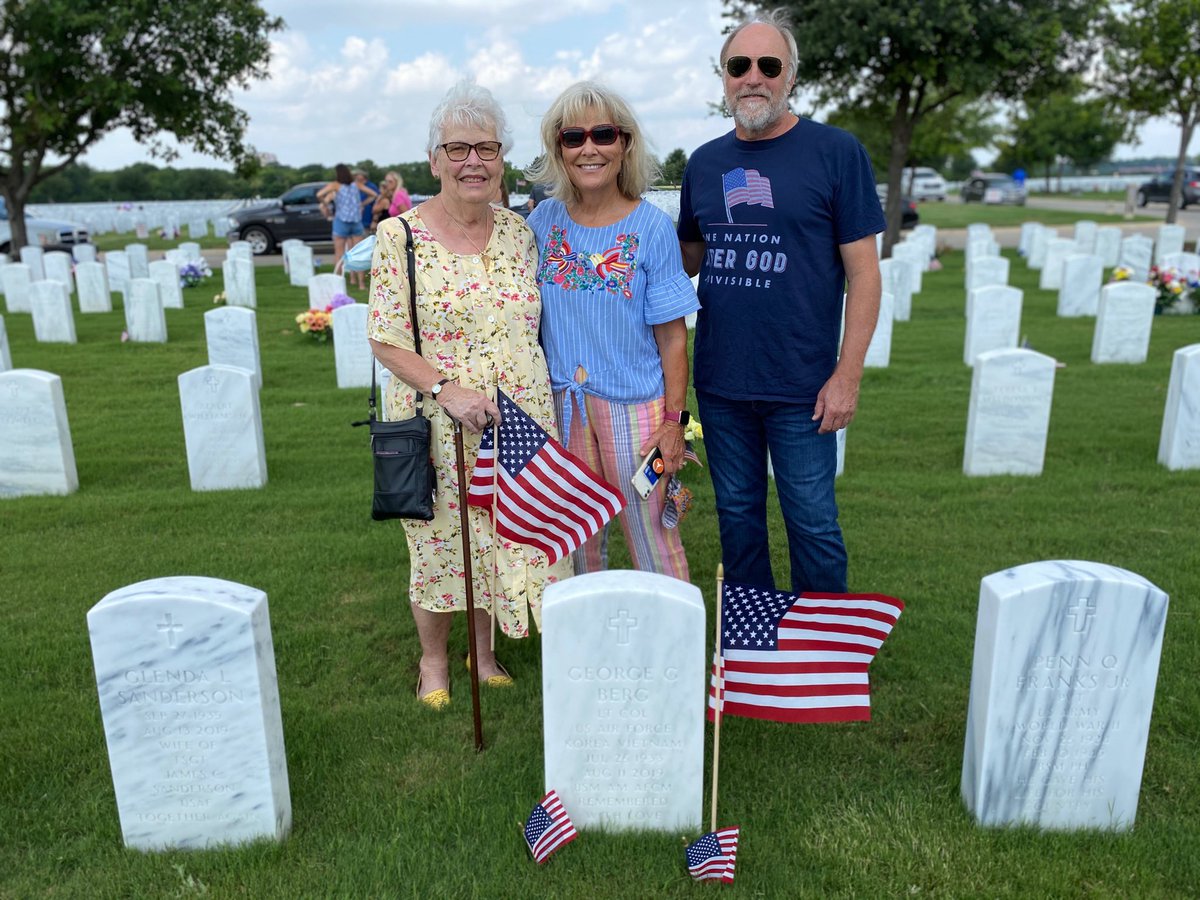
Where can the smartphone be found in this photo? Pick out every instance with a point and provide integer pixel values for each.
(648, 473)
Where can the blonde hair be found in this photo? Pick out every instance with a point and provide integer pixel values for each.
(638, 168)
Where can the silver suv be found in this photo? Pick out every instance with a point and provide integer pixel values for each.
(47, 233)
(926, 184)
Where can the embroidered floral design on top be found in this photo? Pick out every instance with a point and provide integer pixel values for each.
(581, 270)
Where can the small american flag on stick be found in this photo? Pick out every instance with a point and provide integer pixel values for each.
(544, 496)
(799, 659)
(714, 855)
(548, 828)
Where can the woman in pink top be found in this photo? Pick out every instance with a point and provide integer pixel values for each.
(400, 199)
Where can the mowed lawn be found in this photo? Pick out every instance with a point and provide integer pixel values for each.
(390, 800)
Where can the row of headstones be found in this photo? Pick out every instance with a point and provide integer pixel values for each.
(1045, 251)
(902, 276)
(1065, 669)
(222, 418)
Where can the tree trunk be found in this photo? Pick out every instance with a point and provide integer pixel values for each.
(14, 202)
(902, 132)
(1185, 138)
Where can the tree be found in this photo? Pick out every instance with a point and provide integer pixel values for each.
(913, 58)
(673, 166)
(1064, 126)
(73, 72)
(1152, 66)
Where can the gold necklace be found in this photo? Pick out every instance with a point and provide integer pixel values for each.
(487, 263)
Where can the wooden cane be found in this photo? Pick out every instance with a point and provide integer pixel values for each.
(465, 525)
(719, 701)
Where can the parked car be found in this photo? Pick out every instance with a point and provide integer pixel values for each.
(296, 214)
(992, 187)
(909, 217)
(49, 234)
(1159, 189)
(923, 183)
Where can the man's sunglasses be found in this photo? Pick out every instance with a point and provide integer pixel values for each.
(737, 66)
(601, 135)
(457, 151)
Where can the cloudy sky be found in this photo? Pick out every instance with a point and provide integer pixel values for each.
(359, 80)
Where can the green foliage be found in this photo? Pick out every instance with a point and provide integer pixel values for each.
(913, 58)
(72, 72)
(673, 166)
(1152, 66)
(389, 800)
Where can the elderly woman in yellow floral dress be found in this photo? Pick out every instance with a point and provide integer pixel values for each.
(479, 310)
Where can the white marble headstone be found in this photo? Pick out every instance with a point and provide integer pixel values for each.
(5, 354)
(166, 274)
(917, 259)
(144, 318)
(1137, 251)
(1009, 414)
(1123, 323)
(240, 250)
(185, 671)
(53, 318)
(58, 268)
(1170, 240)
(83, 252)
(197, 229)
(987, 271)
(1187, 264)
(284, 247)
(1039, 243)
(993, 320)
(34, 257)
(139, 260)
(623, 687)
(222, 428)
(1108, 245)
(352, 353)
(17, 278)
(323, 288)
(1065, 667)
(1085, 236)
(897, 281)
(1079, 292)
(879, 351)
(1179, 442)
(1057, 251)
(978, 231)
(981, 248)
(231, 333)
(238, 274)
(116, 264)
(190, 250)
(36, 455)
(1023, 242)
(92, 282)
(299, 258)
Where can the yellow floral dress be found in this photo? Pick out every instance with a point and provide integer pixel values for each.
(479, 317)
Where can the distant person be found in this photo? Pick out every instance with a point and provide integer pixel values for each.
(614, 298)
(340, 200)
(778, 218)
(379, 209)
(368, 192)
(401, 202)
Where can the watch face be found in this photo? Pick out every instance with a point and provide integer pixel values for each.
(684, 418)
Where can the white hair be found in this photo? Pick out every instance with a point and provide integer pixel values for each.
(471, 105)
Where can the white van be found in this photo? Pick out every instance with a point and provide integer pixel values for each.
(926, 184)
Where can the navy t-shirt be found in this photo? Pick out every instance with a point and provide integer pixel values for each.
(772, 215)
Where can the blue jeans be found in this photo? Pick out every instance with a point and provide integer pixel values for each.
(737, 436)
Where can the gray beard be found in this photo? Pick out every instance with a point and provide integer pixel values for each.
(762, 118)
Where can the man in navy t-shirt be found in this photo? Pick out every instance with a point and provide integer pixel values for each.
(778, 218)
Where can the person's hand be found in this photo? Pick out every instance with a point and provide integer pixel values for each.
(472, 408)
(836, 402)
(668, 438)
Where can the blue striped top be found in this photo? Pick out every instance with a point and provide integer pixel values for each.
(603, 290)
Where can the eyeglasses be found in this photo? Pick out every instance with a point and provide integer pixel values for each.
(601, 135)
(457, 151)
(770, 66)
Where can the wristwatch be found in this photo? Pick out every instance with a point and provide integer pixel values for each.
(680, 417)
(437, 388)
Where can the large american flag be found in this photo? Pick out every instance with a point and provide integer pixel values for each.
(548, 827)
(746, 186)
(713, 855)
(799, 659)
(543, 496)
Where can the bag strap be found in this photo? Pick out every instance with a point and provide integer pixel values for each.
(412, 312)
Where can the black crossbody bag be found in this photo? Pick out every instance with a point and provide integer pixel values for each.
(404, 478)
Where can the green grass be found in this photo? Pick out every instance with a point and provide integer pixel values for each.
(390, 799)
(955, 214)
(154, 241)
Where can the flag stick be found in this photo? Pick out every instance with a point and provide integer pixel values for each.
(720, 699)
(495, 501)
(465, 526)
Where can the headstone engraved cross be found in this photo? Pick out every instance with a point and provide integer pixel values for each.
(185, 671)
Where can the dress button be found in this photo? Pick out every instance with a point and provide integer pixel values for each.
(491, 318)
(475, 259)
